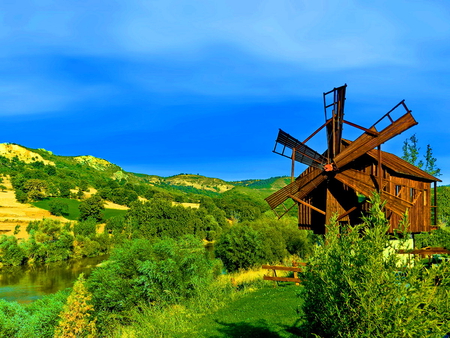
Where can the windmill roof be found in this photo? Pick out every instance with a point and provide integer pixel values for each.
(399, 165)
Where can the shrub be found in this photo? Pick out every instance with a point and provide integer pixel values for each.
(167, 271)
(241, 247)
(355, 287)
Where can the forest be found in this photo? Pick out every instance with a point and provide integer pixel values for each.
(170, 260)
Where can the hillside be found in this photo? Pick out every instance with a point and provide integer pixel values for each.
(32, 175)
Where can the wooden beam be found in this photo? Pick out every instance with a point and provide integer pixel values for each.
(349, 211)
(372, 132)
(380, 170)
(367, 141)
(302, 186)
(307, 204)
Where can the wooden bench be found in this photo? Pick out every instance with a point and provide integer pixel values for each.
(295, 269)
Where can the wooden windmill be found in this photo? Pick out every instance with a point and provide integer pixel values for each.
(338, 180)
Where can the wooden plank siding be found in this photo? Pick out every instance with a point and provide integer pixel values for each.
(414, 195)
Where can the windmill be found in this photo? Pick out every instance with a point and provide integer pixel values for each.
(337, 180)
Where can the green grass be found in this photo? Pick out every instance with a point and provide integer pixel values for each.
(268, 312)
(74, 212)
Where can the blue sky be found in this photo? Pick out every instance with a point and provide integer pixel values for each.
(168, 87)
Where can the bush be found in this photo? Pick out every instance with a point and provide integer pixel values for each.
(167, 271)
(241, 247)
(357, 286)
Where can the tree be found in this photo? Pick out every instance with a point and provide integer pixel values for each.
(58, 207)
(76, 316)
(430, 163)
(36, 189)
(411, 153)
(92, 208)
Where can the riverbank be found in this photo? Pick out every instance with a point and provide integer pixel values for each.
(25, 284)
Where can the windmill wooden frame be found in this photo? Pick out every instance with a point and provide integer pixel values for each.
(340, 179)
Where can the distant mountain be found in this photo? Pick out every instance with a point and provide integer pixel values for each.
(95, 172)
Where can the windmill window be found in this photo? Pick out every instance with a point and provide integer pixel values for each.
(398, 189)
(412, 194)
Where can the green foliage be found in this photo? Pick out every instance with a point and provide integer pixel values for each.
(443, 199)
(239, 206)
(436, 238)
(430, 163)
(266, 240)
(356, 286)
(411, 153)
(12, 317)
(35, 320)
(179, 269)
(11, 253)
(58, 207)
(85, 228)
(167, 271)
(92, 208)
(43, 315)
(73, 211)
(158, 218)
(241, 247)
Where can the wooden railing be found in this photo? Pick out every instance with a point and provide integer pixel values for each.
(295, 269)
(427, 252)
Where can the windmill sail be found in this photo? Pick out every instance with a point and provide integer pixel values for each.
(367, 142)
(301, 152)
(334, 129)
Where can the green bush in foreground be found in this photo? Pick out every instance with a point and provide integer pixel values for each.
(355, 286)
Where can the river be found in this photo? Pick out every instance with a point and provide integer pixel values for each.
(25, 284)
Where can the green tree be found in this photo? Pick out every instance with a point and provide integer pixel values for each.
(11, 252)
(87, 228)
(58, 207)
(430, 163)
(92, 208)
(36, 189)
(411, 153)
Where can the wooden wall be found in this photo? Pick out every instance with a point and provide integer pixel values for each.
(336, 197)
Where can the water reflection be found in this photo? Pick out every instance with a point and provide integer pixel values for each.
(27, 283)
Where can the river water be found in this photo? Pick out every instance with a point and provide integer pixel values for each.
(25, 284)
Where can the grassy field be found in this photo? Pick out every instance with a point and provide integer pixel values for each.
(268, 312)
(74, 212)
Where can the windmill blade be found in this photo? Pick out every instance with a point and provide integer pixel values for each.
(302, 153)
(300, 188)
(334, 129)
(366, 185)
(368, 141)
